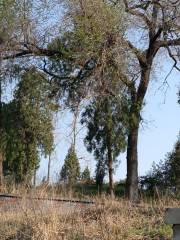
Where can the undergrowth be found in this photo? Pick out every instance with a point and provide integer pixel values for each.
(105, 220)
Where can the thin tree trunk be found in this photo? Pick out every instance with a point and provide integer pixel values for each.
(34, 178)
(110, 164)
(76, 113)
(110, 169)
(109, 150)
(49, 168)
(1, 136)
(1, 170)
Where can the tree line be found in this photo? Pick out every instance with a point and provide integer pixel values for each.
(99, 52)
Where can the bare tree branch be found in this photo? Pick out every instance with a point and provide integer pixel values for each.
(29, 50)
(173, 58)
(136, 51)
(166, 43)
(137, 13)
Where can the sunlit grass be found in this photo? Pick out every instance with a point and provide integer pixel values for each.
(105, 220)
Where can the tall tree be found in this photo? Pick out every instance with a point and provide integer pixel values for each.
(160, 23)
(157, 23)
(6, 17)
(106, 136)
(28, 126)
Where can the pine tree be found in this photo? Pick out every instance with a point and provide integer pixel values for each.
(86, 175)
(106, 136)
(70, 172)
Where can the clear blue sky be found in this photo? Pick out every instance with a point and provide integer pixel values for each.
(157, 135)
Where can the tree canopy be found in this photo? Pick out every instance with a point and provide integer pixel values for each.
(28, 126)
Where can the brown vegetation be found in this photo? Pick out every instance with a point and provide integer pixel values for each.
(105, 220)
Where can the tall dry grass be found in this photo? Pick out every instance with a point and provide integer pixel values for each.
(105, 220)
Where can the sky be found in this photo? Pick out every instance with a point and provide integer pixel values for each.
(158, 132)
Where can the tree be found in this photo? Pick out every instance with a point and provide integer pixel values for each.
(28, 126)
(86, 175)
(158, 23)
(106, 136)
(28, 44)
(63, 174)
(6, 17)
(174, 159)
(166, 174)
(70, 171)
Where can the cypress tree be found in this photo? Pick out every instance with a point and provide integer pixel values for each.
(106, 136)
(28, 126)
(86, 175)
(70, 172)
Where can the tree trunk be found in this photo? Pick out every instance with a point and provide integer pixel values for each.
(100, 187)
(109, 147)
(34, 178)
(1, 136)
(132, 153)
(1, 170)
(110, 169)
(49, 168)
(132, 166)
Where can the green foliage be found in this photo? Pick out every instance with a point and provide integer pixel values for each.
(166, 174)
(70, 171)
(174, 159)
(93, 22)
(36, 108)
(86, 175)
(92, 37)
(28, 126)
(14, 20)
(105, 122)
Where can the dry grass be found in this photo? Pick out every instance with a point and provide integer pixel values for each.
(107, 220)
